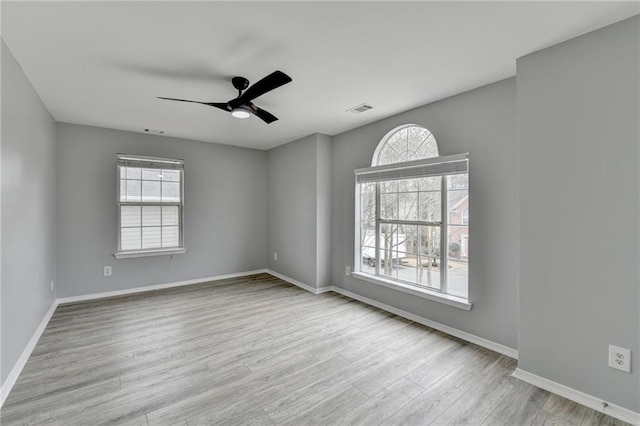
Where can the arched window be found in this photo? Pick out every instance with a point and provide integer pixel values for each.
(405, 206)
(405, 143)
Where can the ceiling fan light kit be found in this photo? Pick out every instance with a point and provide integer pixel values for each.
(242, 107)
(240, 112)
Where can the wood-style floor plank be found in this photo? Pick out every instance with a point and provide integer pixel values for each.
(383, 404)
(522, 406)
(477, 404)
(258, 351)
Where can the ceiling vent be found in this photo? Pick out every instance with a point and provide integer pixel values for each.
(157, 132)
(360, 108)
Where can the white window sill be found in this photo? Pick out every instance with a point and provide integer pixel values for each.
(447, 299)
(148, 253)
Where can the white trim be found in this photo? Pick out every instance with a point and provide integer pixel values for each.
(582, 398)
(480, 341)
(148, 253)
(447, 299)
(93, 296)
(26, 353)
(299, 283)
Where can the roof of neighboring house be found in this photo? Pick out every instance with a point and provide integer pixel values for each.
(455, 198)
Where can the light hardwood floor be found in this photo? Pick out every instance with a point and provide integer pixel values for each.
(259, 351)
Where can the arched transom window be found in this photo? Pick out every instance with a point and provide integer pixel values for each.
(405, 143)
(413, 215)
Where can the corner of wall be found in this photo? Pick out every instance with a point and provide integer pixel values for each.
(323, 211)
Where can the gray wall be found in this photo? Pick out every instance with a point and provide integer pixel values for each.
(579, 201)
(28, 212)
(224, 213)
(292, 209)
(299, 209)
(483, 123)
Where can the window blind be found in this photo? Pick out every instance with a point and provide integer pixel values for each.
(439, 166)
(149, 162)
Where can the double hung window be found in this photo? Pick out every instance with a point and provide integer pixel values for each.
(150, 206)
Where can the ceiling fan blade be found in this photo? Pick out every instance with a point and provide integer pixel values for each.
(270, 82)
(265, 116)
(220, 105)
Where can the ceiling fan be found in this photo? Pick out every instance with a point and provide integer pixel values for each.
(242, 107)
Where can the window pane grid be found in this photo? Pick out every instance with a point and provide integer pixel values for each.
(408, 248)
(407, 144)
(413, 252)
(144, 203)
(148, 190)
(162, 231)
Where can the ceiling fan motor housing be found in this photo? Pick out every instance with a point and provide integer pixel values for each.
(240, 83)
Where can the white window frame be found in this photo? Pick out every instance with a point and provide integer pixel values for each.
(148, 162)
(437, 166)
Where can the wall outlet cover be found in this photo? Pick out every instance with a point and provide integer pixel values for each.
(620, 358)
(107, 271)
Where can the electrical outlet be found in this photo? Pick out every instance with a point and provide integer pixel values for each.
(51, 285)
(620, 358)
(347, 271)
(107, 271)
(275, 255)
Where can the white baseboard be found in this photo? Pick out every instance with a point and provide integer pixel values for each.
(582, 398)
(105, 294)
(299, 283)
(480, 341)
(26, 353)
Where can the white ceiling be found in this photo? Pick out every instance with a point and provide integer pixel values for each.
(103, 64)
